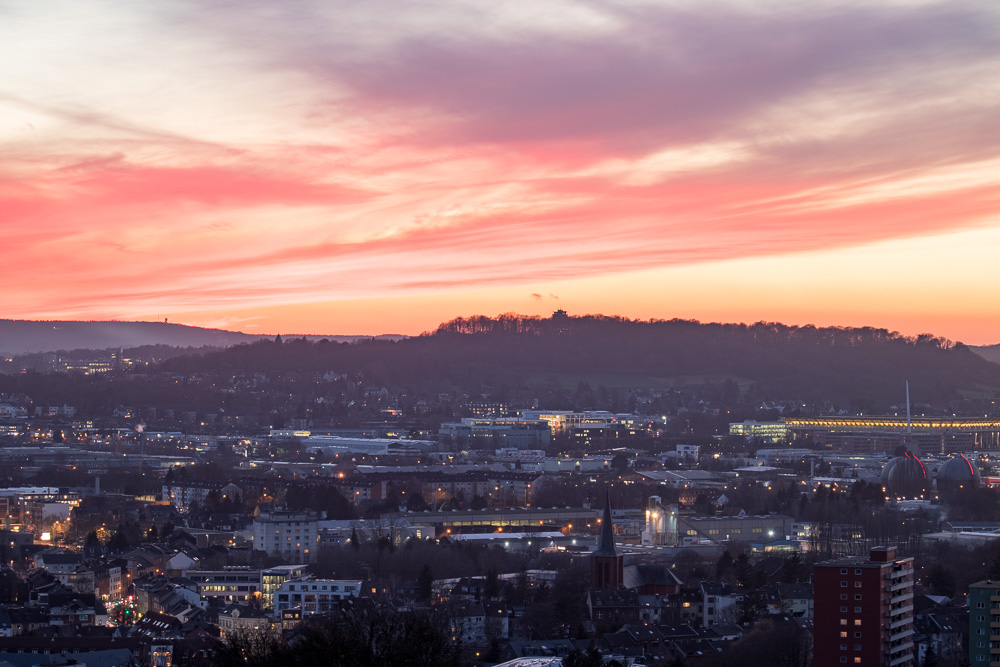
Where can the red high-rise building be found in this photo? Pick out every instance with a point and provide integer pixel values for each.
(864, 611)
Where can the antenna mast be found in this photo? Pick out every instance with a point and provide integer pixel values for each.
(909, 423)
(909, 427)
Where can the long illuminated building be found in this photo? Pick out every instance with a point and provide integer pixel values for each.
(870, 435)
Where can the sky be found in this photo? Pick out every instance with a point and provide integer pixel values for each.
(381, 167)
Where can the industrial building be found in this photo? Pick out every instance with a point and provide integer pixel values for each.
(871, 435)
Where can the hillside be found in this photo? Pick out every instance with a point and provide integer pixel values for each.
(988, 352)
(24, 336)
(524, 356)
(28, 336)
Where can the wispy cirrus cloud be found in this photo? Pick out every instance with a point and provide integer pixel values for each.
(220, 154)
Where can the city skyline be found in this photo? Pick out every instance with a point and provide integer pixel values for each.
(379, 168)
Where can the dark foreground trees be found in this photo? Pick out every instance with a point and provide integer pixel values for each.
(363, 635)
(774, 642)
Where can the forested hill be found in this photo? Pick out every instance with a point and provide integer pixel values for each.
(18, 337)
(26, 336)
(514, 354)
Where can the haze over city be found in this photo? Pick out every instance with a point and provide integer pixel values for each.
(382, 167)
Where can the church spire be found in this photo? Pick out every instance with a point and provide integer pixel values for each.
(606, 543)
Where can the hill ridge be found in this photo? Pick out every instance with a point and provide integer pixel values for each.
(18, 337)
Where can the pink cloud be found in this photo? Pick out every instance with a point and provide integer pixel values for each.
(437, 159)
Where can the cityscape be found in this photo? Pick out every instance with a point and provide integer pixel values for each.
(563, 333)
(253, 505)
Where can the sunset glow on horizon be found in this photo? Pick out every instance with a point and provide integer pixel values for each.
(381, 167)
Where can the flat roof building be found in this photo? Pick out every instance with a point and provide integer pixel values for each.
(776, 431)
(292, 536)
(314, 596)
(863, 611)
(869, 435)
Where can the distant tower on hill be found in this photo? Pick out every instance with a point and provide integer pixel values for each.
(607, 566)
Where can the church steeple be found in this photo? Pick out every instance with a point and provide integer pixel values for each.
(606, 542)
(607, 566)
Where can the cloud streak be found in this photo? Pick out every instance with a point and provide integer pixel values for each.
(321, 152)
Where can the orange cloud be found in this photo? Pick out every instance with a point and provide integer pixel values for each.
(270, 160)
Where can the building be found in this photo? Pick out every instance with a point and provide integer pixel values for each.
(740, 528)
(313, 596)
(291, 536)
(718, 603)
(776, 431)
(558, 420)
(108, 581)
(590, 436)
(332, 445)
(863, 611)
(235, 584)
(500, 432)
(984, 614)
(185, 494)
(661, 523)
(511, 488)
(362, 489)
(869, 435)
(688, 452)
(488, 408)
(272, 578)
(237, 617)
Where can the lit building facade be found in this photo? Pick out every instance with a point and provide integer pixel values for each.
(232, 584)
(314, 596)
(291, 536)
(235, 584)
(776, 431)
(871, 435)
